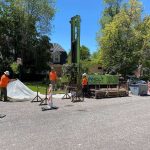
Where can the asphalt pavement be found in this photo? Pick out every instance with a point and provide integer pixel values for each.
(95, 124)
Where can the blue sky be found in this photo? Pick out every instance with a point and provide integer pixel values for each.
(90, 12)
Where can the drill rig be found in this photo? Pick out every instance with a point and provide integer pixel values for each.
(73, 71)
(75, 50)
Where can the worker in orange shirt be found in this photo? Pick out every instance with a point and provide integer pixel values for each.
(84, 84)
(3, 85)
(53, 78)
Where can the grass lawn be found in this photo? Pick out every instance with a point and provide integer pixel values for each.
(41, 87)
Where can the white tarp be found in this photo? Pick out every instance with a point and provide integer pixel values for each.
(18, 91)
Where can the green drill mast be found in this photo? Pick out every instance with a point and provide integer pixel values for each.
(75, 47)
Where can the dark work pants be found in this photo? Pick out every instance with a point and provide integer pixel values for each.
(84, 90)
(3, 93)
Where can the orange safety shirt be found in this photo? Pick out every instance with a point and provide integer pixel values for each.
(53, 76)
(4, 81)
(84, 81)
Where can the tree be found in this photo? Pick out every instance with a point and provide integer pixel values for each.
(84, 52)
(145, 50)
(84, 59)
(42, 55)
(95, 58)
(112, 7)
(41, 10)
(21, 31)
(120, 41)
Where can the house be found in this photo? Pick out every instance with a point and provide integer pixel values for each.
(58, 54)
(58, 58)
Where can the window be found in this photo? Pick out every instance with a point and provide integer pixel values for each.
(56, 58)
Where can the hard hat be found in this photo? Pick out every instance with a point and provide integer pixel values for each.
(7, 73)
(52, 68)
(84, 74)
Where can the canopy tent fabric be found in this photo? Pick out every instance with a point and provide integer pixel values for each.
(16, 90)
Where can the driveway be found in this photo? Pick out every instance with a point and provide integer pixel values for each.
(102, 124)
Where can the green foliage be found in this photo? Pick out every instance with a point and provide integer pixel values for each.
(122, 44)
(112, 8)
(65, 79)
(5, 65)
(95, 58)
(121, 40)
(41, 10)
(22, 24)
(42, 54)
(42, 87)
(15, 67)
(145, 50)
(69, 73)
(84, 52)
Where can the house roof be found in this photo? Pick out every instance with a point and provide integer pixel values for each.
(56, 48)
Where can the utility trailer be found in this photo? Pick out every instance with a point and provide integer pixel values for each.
(102, 86)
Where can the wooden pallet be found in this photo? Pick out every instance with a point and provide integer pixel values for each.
(113, 92)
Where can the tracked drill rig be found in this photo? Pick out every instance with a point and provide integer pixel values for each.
(73, 70)
(75, 50)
